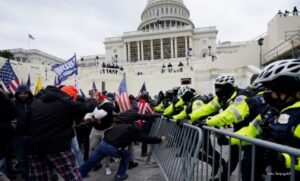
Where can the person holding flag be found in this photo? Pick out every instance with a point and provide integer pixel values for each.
(145, 108)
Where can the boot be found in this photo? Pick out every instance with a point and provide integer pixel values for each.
(132, 164)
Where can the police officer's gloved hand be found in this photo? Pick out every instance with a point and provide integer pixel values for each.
(181, 122)
(274, 158)
(222, 139)
(200, 123)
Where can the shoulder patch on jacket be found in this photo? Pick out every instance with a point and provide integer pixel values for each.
(283, 119)
(239, 99)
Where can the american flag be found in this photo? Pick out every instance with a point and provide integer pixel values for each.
(31, 37)
(9, 78)
(145, 108)
(122, 97)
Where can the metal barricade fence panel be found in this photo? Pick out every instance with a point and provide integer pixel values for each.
(177, 156)
(251, 158)
(191, 153)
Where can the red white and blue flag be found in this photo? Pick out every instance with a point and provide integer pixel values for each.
(8, 77)
(122, 97)
(145, 108)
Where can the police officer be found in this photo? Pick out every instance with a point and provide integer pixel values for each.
(226, 92)
(282, 78)
(239, 114)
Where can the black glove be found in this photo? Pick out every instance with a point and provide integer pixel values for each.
(200, 123)
(274, 158)
(181, 122)
(222, 139)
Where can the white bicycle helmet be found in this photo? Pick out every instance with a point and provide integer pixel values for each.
(183, 90)
(224, 79)
(287, 68)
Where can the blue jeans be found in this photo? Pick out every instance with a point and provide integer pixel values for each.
(75, 148)
(103, 150)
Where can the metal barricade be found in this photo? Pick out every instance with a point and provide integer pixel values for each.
(177, 156)
(229, 162)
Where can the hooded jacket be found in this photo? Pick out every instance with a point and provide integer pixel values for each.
(49, 121)
(22, 106)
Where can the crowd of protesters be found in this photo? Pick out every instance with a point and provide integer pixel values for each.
(58, 133)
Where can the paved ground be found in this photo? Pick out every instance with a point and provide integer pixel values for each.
(144, 172)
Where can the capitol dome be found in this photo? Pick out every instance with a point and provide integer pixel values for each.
(169, 13)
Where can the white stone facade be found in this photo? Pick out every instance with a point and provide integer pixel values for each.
(34, 56)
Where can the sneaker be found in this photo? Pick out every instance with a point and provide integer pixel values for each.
(107, 171)
(132, 164)
(124, 177)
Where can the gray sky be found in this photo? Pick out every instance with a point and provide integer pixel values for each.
(62, 27)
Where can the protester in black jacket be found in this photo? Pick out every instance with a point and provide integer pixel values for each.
(116, 139)
(103, 113)
(49, 124)
(23, 100)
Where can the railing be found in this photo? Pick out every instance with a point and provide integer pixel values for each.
(285, 46)
(111, 71)
(177, 156)
(181, 158)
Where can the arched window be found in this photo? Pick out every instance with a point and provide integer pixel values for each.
(167, 10)
(175, 10)
(171, 11)
(162, 10)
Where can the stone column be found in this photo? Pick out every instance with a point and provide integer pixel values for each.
(191, 44)
(161, 49)
(138, 50)
(129, 54)
(142, 48)
(175, 39)
(151, 44)
(172, 48)
(186, 46)
(125, 52)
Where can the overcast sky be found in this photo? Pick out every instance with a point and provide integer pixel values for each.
(62, 27)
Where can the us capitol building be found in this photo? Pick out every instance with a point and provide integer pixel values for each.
(167, 50)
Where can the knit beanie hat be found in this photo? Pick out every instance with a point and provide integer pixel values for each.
(71, 91)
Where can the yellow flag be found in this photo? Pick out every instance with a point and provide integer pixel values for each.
(38, 85)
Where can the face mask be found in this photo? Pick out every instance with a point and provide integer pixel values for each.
(274, 102)
(224, 92)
